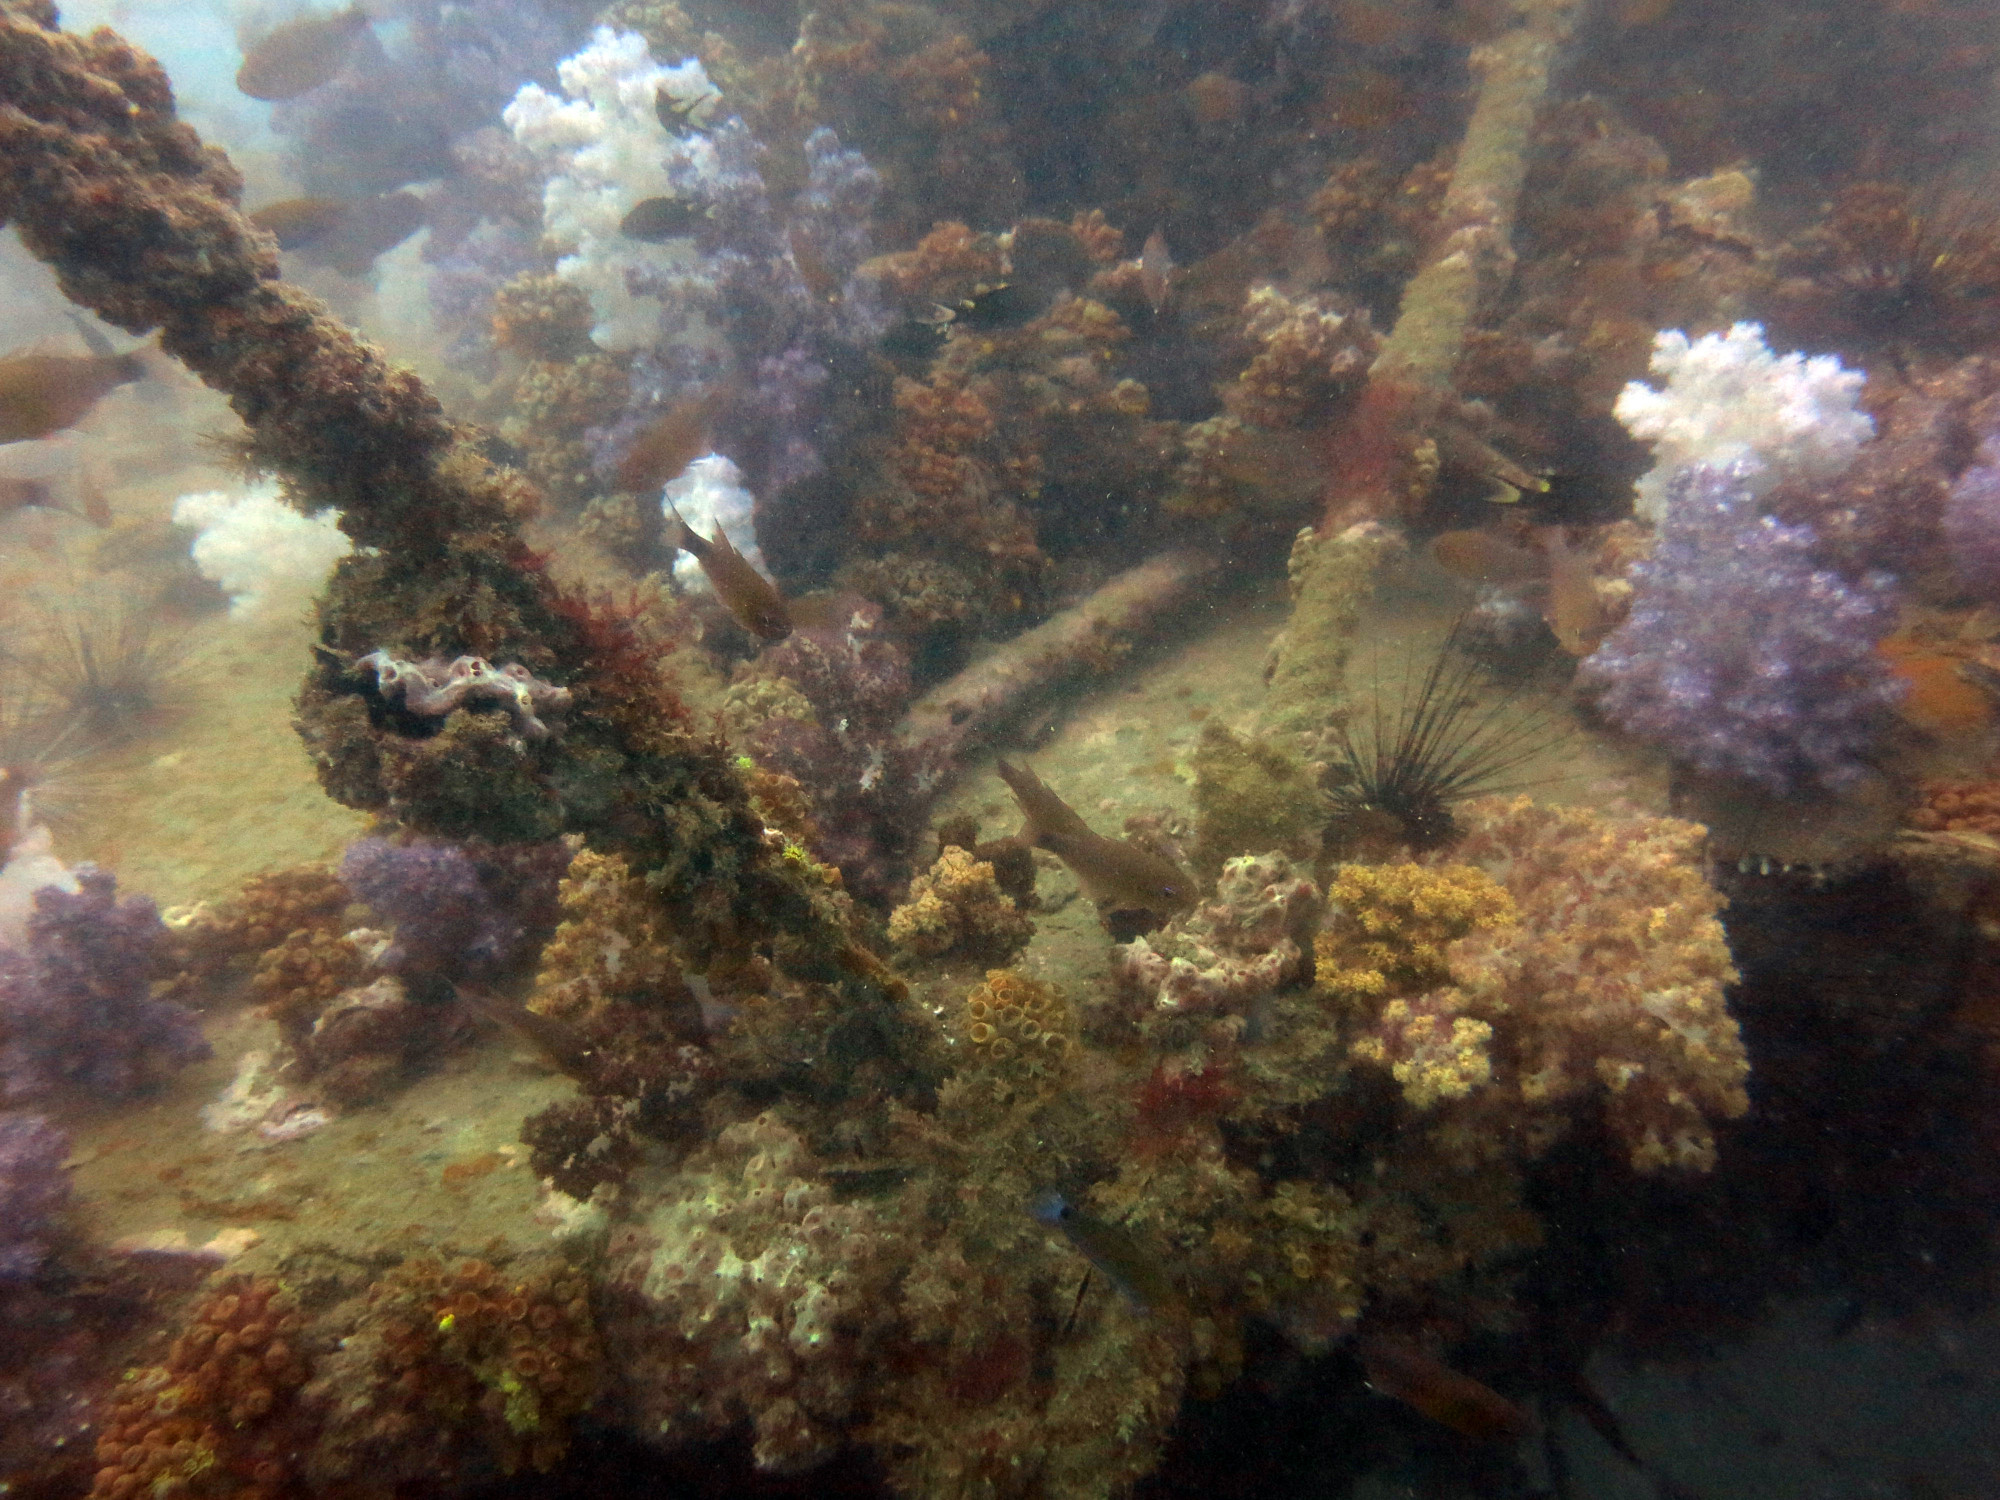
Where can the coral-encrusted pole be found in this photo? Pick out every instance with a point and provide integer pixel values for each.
(1092, 634)
(139, 220)
(1383, 460)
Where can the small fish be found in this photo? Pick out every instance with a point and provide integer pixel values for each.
(748, 595)
(558, 1040)
(370, 229)
(678, 114)
(1484, 555)
(1116, 875)
(43, 394)
(299, 56)
(1399, 1369)
(914, 340)
(1460, 448)
(1574, 610)
(1113, 1251)
(1156, 270)
(1002, 304)
(655, 220)
(667, 445)
(298, 222)
(813, 269)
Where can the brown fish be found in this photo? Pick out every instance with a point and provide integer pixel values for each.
(369, 229)
(1574, 610)
(655, 220)
(668, 445)
(42, 394)
(747, 594)
(1114, 873)
(678, 114)
(1484, 555)
(298, 222)
(1399, 1369)
(299, 56)
(558, 1040)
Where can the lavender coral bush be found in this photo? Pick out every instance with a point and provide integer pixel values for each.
(760, 293)
(33, 1189)
(1742, 656)
(76, 1003)
(456, 913)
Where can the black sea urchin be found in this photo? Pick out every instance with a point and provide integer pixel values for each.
(1399, 767)
(104, 658)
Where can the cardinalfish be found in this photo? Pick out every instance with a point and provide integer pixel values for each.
(668, 444)
(1400, 1370)
(653, 221)
(1538, 559)
(299, 56)
(369, 229)
(751, 598)
(1000, 304)
(43, 394)
(677, 114)
(1113, 1251)
(1117, 875)
(296, 223)
(33, 494)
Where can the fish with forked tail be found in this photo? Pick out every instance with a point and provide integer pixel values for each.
(1115, 874)
(748, 595)
(43, 394)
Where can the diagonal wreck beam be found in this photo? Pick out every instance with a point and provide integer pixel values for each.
(140, 222)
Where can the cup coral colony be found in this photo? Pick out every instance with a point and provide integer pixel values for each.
(760, 1012)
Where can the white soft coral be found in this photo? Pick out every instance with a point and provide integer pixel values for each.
(260, 550)
(1728, 398)
(611, 153)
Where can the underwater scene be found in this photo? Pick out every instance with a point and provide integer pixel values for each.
(1000, 749)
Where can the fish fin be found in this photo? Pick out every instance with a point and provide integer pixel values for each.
(686, 538)
(93, 336)
(1027, 788)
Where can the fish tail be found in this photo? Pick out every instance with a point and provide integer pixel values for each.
(1028, 790)
(687, 538)
(93, 336)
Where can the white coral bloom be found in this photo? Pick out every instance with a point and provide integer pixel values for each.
(260, 550)
(1728, 398)
(610, 153)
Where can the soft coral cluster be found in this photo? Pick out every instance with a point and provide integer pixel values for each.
(1558, 960)
(76, 1003)
(1743, 655)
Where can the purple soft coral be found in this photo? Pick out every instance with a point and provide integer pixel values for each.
(783, 287)
(456, 913)
(33, 1189)
(1743, 657)
(76, 1004)
(871, 794)
(1972, 524)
